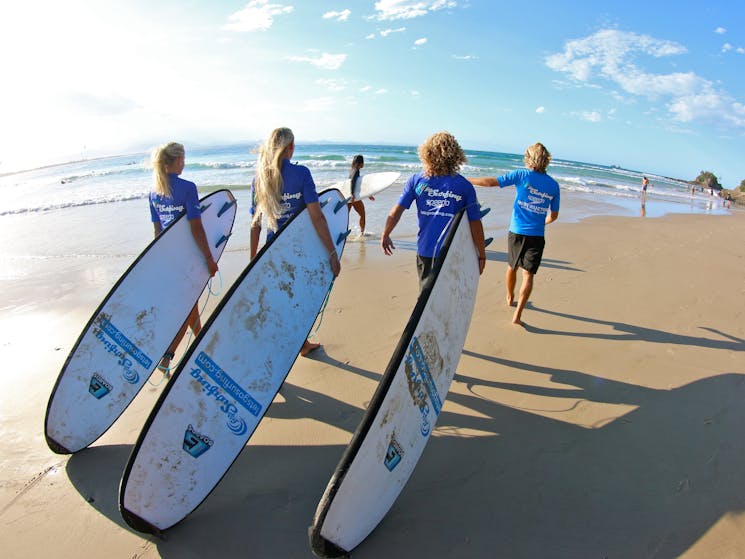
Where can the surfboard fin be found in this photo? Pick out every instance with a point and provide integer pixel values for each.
(484, 212)
(225, 207)
(222, 240)
(488, 241)
(341, 204)
(343, 236)
(203, 207)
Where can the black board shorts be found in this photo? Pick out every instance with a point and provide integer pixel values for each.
(525, 251)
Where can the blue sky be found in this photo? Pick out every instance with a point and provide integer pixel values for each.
(653, 86)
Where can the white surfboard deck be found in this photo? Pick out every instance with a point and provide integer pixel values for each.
(127, 335)
(231, 374)
(369, 185)
(402, 414)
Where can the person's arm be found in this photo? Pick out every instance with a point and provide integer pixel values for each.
(200, 237)
(551, 217)
(390, 223)
(254, 238)
(157, 228)
(483, 181)
(322, 229)
(477, 232)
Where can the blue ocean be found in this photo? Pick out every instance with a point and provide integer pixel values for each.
(84, 222)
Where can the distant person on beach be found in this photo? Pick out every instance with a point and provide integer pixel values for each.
(358, 162)
(172, 197)
(440, 193)
(536, 205)
(645, 184)
(280, 190)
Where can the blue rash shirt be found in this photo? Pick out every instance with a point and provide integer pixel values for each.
(183, 199)
(438, 200)
(537, 194)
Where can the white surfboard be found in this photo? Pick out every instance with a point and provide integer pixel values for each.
(368, 185)
(231, 373)
(127, 335)
(402, 414)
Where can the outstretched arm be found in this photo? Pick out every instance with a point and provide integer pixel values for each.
(484, 181)
(390, 223)
(322, 228)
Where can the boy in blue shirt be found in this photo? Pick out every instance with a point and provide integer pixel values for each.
(440, 193)
(536, 205)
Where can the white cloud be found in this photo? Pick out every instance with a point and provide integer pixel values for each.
(420, 42)
(381, 91)
(387, 32)
(325, 61)
(727, 47)
(338, 16)
(740, 50)
(720, 30)
(611, 56)
(258, 15)
(332, 84)
(370, 36)
(540, 110)
(407, 9)
(589, 116)
(465, 57)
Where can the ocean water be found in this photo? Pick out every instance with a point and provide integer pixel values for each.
(70, 223)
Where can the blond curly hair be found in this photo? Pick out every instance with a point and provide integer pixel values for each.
(441, 155)
(537, 157)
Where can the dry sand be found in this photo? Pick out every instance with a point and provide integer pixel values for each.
(610, 426)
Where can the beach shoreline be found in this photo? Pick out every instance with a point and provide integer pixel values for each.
(609, 426)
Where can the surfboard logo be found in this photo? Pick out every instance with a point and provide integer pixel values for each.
(394, 453)
(422, 386)
(99, 386)
(195, 443)
(223, 388)
(117, 344)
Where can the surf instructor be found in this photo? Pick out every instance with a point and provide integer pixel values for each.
(440, 192)
(536, 205)
(280, 190)
(171, 197)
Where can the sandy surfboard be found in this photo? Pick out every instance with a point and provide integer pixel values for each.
(402, 414)
(231, 373)
(125, 338)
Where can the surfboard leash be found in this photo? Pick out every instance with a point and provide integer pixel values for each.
(210, 293)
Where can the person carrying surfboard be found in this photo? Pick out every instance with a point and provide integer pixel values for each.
(536, 205)
(280, 190)
(358, 162)
(440, 192)
(171, 197)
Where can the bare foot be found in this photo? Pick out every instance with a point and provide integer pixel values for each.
(516, 320)
(308, 348)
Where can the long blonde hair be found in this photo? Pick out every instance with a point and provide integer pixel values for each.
(268, 185)
(441, 155)
(161, 158)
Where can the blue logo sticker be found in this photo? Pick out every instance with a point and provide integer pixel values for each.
(393, 454)
(195, 443)
(421, 385)
(98, 386)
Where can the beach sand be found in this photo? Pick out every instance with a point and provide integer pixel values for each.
(611, 425)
